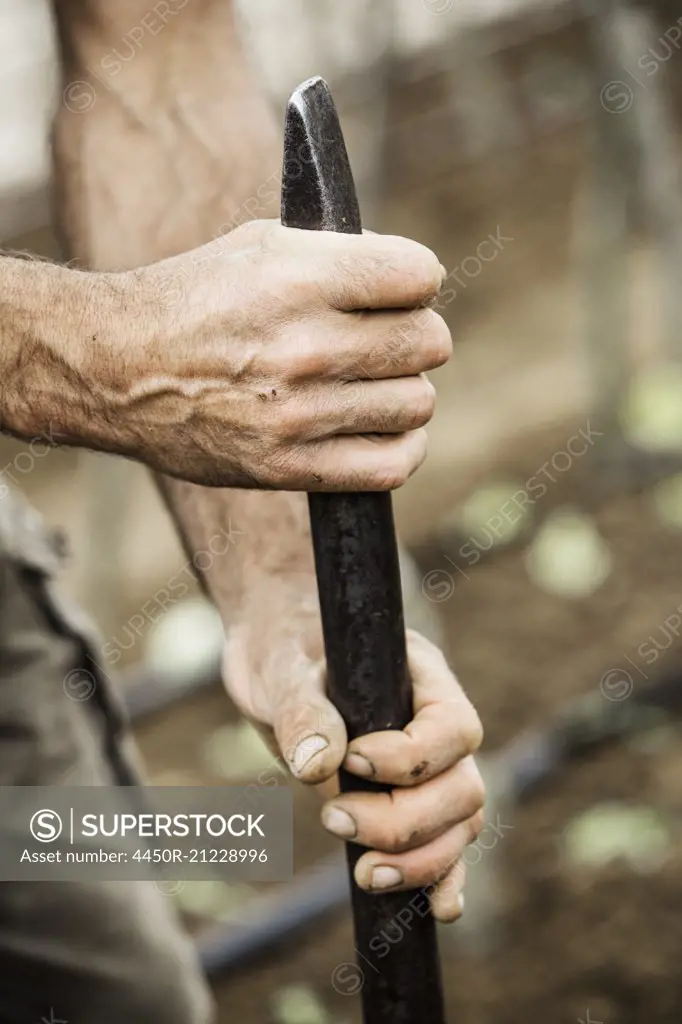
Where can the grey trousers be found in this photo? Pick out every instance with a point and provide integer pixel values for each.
(85, 953)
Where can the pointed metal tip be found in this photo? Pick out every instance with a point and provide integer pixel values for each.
(317, 183)
(314, 84)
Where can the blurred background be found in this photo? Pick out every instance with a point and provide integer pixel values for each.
(534, 146)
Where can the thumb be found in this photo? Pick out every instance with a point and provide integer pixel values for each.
(309, 730)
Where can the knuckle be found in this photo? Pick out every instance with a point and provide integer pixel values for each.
(425, 271)
(396, 468)
(473, 785)
(305, 292)
(412, 268)
(438, 339)
(302, 357)
(424, 404)
(296, 363)
(472, 728)
(435, 342)
(288, 296)
(389, 478)
(418, 450)
(290, 423)
(476, 825)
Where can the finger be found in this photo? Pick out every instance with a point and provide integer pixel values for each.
(371, 462)
(309, 730)
(445, 727)
(376, 407)
(370, 271)
(384, 343)
(361, 407)
(381, 872)
(367, 345)
(405, 819)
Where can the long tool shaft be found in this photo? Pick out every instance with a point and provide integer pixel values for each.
(358, 579)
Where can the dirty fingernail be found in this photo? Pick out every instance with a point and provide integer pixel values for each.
(359, 765)
(339, 822)
(385, 877)
(306, 750)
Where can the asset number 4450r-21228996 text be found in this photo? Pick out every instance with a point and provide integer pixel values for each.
(195, 856)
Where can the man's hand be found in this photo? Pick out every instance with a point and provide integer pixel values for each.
(271, 358)
(278, 358)
(416, 834)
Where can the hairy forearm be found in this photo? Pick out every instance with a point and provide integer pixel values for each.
(58, 352)
(37, 302)
(177, 146)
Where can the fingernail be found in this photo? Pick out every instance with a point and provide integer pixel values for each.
(460, 900)
(339, 822)
(359, 765)
(443, 272)
(307, 749)
(385, 877)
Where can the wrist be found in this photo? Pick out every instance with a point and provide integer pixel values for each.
(60, 357)
(42, 319)
(120, 355)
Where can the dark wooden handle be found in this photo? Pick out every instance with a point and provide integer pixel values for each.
(358, 576)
